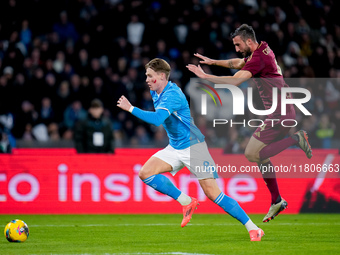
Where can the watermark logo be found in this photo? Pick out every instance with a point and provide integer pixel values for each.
(238, 100)
(278, 100)
(204, 97)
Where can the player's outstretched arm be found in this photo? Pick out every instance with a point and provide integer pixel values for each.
(234, 63)
(156, 118)
(236, 80)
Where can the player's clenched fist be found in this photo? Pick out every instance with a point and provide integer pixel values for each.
(124, 103)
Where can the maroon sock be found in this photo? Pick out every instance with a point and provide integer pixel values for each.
(269, 177)
(276, 147)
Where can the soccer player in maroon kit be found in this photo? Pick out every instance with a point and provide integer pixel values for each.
(268, 140)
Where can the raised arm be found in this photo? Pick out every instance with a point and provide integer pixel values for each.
(234, 63)
(236, 79)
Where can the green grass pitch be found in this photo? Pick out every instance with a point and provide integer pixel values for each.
(162, 234)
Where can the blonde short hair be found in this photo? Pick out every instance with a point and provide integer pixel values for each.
(159, 66)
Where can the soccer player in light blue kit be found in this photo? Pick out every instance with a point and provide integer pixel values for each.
(186, 148)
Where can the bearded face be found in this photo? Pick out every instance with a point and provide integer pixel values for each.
(241, 46)
(246, 52)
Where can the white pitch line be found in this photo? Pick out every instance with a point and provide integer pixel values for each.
(140, 253)
(176, 224)
(159, 253)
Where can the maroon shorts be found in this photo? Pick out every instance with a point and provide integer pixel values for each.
(272, 131)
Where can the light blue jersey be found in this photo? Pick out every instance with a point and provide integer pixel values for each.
(180, 127)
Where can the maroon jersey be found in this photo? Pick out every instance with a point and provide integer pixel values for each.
(264, 68)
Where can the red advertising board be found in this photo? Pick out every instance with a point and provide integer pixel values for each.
(61, 181)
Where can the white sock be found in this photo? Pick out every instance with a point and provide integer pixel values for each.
(184, 199)
(250, 225)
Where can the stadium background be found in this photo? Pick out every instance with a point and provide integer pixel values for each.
(56, 56)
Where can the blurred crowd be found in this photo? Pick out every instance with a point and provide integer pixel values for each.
(58, 55)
